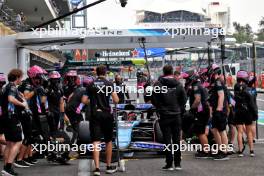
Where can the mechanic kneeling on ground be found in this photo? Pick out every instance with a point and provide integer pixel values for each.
(170, 106)
(102, 119)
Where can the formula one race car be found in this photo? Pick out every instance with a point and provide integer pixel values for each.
(138, 128)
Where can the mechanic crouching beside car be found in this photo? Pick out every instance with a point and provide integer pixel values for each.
(170, 104)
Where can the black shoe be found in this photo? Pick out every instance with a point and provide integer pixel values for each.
(213, 155)
(29, 162)
(13, 172)
(33, 160)
(111, 169)
(202, 155)
(221, 157)
(96, 172)
(252, 154)
(8, 172)
(178, 167)
(230, 153)
(210, 155)
(21, 164)
(240, 154)
(168, 168)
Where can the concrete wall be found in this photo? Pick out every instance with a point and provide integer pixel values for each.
(8, 53)
(23, 60)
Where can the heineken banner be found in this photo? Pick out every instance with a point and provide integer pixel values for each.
(127, 53)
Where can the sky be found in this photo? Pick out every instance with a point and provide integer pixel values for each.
(110, 14)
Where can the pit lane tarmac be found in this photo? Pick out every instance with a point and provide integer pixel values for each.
(236, 166)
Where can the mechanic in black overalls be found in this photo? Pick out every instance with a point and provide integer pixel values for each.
(245, 111)
(101, 123)
(75, 108)
(12, 104)
(170, 105)
(121, 89)
(200, 109)
(2, 137)
(70, 83)
(33, 91)
(56, 101)
(218, 106)
(253, 91)
(141, 81)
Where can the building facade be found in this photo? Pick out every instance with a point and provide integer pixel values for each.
(185, 14)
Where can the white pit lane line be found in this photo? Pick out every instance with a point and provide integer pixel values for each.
(260, 100)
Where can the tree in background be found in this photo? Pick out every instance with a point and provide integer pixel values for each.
(243, 33)
(260, 33)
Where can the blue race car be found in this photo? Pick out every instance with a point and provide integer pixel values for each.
(138, 128)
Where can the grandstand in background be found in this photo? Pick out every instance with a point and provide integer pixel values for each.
(185, 14)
